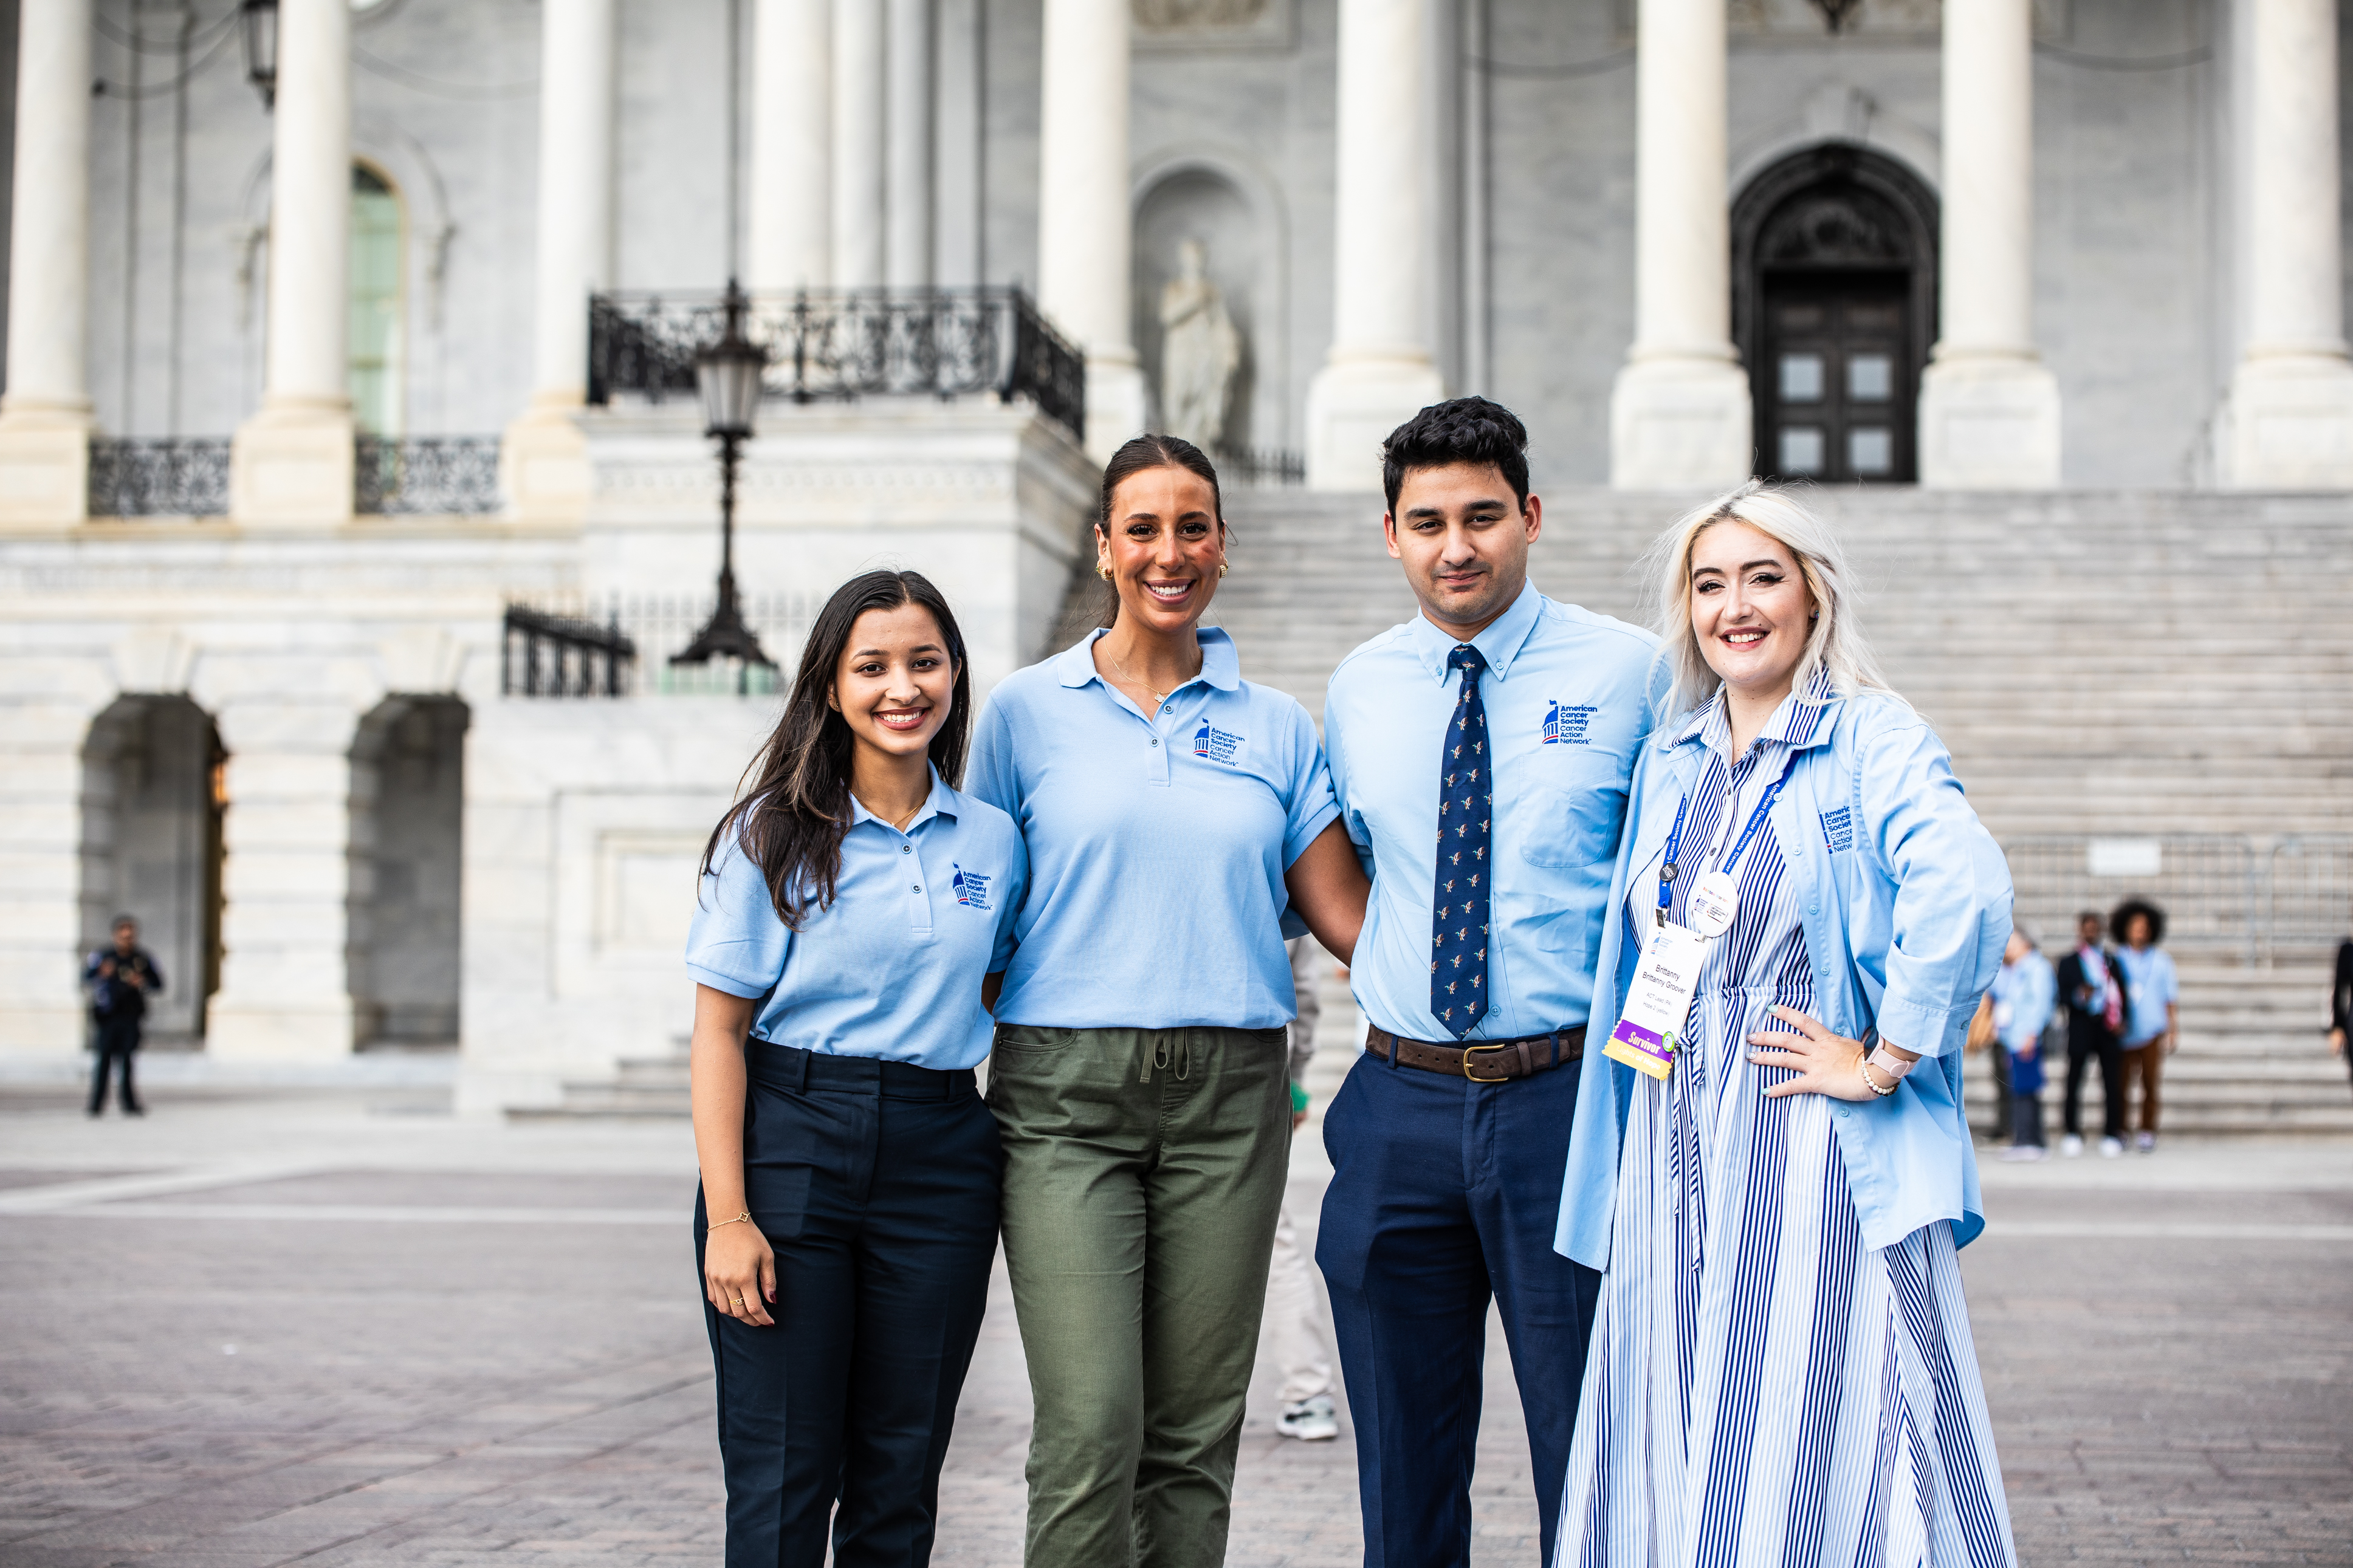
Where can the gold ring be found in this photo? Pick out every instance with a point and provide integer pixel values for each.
(737, 1299)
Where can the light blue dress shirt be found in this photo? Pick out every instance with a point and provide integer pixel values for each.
(2025, 994)
(1907, 909)
(1566, 692)
(893, 967)
(1157, 843)
(2150, 984)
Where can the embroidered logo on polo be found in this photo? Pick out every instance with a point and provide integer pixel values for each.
(1565, 724)
(1838, 830)
(1217, 745)
(971, 888)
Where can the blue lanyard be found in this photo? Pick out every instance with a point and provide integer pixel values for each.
(1756, 821)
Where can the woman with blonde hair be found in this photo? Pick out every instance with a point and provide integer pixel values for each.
(1773, 1171)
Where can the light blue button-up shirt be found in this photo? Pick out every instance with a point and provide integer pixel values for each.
(1907, 909)
(2025, 994)
(2150, 984)
(1157, 843)
(893, 967)
(1564, 692)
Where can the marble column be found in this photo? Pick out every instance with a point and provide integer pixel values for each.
(1085, 223)
(1988, 405)
(290, 465)
(45, 418)
(2291, 416)
(544, 460)
(907, 258)
(861, 151)
(1679, 416)
(791, 241)
(1380, 370)
(286, 878)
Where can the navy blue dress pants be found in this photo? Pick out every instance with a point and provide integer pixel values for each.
(1446, 1193)
(876, 1183)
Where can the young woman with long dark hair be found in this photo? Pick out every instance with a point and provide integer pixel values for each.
(1176, 816)
(853, 902)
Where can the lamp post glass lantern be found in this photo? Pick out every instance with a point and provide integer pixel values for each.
(256, 20)
(727, 375)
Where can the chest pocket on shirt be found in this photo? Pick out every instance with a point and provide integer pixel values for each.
(1573, 817)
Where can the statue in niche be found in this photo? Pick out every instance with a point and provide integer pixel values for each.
(1200, 352)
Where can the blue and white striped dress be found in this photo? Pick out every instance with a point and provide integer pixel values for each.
(1762, 1389)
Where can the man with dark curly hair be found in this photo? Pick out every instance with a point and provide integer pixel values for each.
(1482, 753)
(2153, 995)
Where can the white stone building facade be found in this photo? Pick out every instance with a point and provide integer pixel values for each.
(2011, 244)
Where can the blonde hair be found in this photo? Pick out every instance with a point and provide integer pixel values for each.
(1835, 645)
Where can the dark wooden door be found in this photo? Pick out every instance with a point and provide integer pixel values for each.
(1837, 384)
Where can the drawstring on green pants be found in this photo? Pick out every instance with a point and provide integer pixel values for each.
(1165, 1050)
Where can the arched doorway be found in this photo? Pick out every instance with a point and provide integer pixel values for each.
(408, 808)
(1834, 308)
(151, 847)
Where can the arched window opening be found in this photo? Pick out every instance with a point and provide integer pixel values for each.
(377, 393)
(151, 848)
(1834, 280)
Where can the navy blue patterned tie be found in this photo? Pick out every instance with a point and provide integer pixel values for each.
(1458, 967)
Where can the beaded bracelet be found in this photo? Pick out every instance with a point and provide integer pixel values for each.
(1863, 1066)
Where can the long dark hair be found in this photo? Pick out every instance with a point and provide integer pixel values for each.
(1134, 458)
(792, 818)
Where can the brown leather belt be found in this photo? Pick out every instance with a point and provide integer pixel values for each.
(1484, 1061)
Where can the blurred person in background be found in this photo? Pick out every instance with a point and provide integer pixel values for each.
(2093, 992)
(2340, 1004)
(2025, 994)
(121, 978)
(2152, 1010)
(1301, 1348)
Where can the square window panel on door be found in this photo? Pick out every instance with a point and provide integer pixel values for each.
(1870, 378)
(1870, 452)
(1801, 450)
(1801, 378)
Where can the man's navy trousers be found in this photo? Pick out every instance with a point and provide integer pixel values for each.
(1445, 1193)
(876, 1183)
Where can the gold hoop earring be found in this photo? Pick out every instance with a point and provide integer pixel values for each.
(1104, 572)
(1221, 568)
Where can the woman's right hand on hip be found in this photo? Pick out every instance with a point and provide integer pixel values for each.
(739, 1272)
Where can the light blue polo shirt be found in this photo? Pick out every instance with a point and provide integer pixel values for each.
(1564, 692)
(1157, 843)
(893, 967)
(2150, 984)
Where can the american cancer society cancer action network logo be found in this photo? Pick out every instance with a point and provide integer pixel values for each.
(1217, 745)
(1565, 725)
(971, 888)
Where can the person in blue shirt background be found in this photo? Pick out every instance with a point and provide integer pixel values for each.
(1782, 1368)
(853, 904)
(1177, 818)
(2152, 1007)
(2025, 995)
(1480, 752)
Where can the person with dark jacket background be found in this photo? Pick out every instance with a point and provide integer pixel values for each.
(2340, 1004)
(119, 979)
(2092, 989)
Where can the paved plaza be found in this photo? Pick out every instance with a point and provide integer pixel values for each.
(335, 1325)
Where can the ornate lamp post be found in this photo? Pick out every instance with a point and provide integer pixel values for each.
(728, 376)
(256, 20)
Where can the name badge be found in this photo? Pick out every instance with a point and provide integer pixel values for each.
(1658, 1002)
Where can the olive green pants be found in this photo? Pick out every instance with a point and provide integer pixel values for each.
(1143, 1171)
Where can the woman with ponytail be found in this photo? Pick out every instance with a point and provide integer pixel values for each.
(853, 903)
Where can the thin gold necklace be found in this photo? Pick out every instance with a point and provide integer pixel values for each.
(1157, 697)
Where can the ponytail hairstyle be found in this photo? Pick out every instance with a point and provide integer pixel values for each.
(790, 821)
(1134, 458)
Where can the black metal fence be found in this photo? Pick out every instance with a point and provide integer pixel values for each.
(940, 342)
(431, 476)
(426, 475)
(561, 656)
(174, 478)
(1253, 466)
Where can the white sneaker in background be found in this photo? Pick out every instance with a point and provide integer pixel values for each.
(2146, 1144)
(1311, 1420)
(2111, 1147)
(2024, 1151)
(2071, 1146)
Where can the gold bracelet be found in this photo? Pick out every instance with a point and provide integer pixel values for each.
(739, 1219)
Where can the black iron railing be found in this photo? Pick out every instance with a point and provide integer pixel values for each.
(558, 655)
(1251, 466)
(174, 477)
(939, 343)
(433, 475)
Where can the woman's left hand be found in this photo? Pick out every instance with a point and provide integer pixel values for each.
(1825, 1063)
